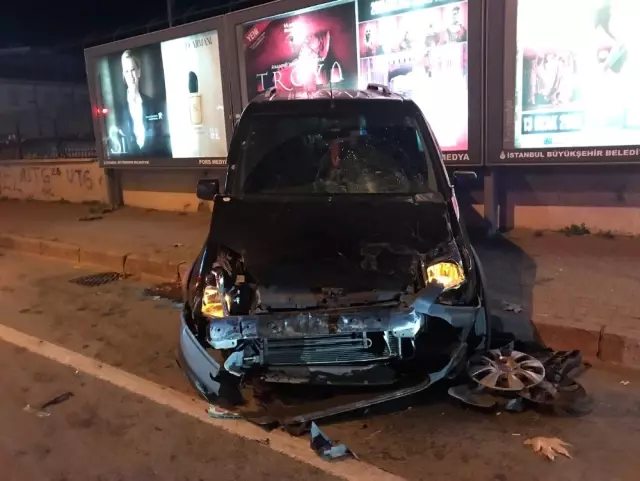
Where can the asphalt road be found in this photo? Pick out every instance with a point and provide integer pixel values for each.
(103, 431)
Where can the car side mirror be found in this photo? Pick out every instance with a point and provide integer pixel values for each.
(207, 189)
(461, 177)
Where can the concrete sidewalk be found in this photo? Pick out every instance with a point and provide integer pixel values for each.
(136, 240)
(580, 292)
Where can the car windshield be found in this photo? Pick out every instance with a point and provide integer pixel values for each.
(334, 153)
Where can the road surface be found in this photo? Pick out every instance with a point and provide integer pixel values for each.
(104, 431)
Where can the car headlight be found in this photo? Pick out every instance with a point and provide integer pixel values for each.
(448, 274)
(212, 302)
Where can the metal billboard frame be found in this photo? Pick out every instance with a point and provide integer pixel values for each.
(94, 53)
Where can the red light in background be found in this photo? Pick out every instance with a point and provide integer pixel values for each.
(102, 110)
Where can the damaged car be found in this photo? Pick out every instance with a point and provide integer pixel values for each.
(336, 258)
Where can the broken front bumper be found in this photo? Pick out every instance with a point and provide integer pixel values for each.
(394, 324)
(200, 368)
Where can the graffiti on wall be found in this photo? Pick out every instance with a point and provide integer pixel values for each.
(53, 182)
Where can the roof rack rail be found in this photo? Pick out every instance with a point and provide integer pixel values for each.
(383, 89)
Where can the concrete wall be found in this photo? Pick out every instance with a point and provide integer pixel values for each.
(550, 198)
(72, 180)
(603, 198)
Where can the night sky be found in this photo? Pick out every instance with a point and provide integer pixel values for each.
(68, 23)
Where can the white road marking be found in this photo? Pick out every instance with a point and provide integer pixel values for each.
(297, 448)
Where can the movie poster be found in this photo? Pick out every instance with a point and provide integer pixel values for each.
(577, 73)
(303, 52)
(421, 52)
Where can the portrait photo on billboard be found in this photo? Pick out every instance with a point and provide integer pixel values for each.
(134, 103)
(577, 74)
(195, 107)
(302, 52)
(421, 53)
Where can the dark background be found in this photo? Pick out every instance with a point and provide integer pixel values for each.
(74, 25)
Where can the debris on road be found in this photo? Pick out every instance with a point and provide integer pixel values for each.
(42, 412)
(625, 383)
(508, 307)
(171, 291)
(90, 217)
(549, 447)
(511, 380)
(217, 412)
(325, 448)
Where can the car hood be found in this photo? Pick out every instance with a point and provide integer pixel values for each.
(354, 243)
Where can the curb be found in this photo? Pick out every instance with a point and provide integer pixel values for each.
(122, 262)
(612, 345)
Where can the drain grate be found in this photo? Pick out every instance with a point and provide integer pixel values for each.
(94, 280)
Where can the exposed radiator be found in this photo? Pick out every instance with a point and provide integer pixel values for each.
(334, 349)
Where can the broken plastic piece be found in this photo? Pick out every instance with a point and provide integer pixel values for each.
(325, 448)
(38, 412)
(515, 308)
(515, 405)
(548, 447)
(90, 217)
(473, 395)
(219, 413)
(57, 400)
(41, 412)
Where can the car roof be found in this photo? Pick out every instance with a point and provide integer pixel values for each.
(372, 92)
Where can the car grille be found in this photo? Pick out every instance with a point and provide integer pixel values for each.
(333, 349)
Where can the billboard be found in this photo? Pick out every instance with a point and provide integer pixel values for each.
(420, 49)
(163, 101)
(576, 81)
(302, 51)
(569, 82)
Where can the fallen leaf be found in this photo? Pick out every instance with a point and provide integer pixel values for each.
(548, 447)
(625, 383)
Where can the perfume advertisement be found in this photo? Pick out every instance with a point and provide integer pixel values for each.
(577, 80)
(302, 52)
(164, 101)
(194, 96)
(419, 49)
(134, 103)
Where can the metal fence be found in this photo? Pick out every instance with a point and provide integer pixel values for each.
(52, 133)
(48, 149)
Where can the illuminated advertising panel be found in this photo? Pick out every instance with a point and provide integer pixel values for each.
(163, 100)
(303, 50)
(577, 81)
(419, 48)
(570, 93)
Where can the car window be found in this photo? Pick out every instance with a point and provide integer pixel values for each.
(334, 154)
